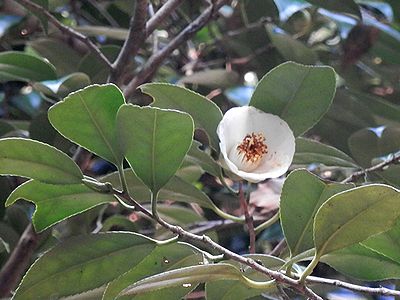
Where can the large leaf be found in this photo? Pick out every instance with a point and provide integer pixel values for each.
(302, 195)
(354, 215)
(362, 263)
(299, 94)
(16, 65)
(87, 117)
(161, 259)
(386, 243)
(82, 264)
(154, 141)
(55, 203)
(33, 159)
(343, 6)
(186, 277)
(310, 151)
(205, 113)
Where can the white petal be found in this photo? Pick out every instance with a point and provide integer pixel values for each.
(240, 121)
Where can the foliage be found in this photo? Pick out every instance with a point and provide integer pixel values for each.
(112, 142)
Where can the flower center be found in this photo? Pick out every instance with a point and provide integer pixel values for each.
(252, 148)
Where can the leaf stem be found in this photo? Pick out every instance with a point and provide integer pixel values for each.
(267, 223)
(310, 268)
(122, 179)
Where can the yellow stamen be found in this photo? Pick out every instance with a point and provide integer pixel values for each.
(252, 147)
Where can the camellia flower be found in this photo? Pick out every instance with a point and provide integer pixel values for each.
(255, 145)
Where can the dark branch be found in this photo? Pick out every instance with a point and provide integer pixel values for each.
(67, 30)
(135, 39)
(157, 59)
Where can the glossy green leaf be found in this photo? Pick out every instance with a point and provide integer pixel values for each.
(234, 289)
(16, 65)
(176, 189)
(343, 6)
(354, 215)
(203, 159)
(186, 277)
(55, 203)
(386, 243)
(302, 195)
(310, 151)
(33, 159)
(290, 91)
(154, 141)
(63, 86)
(83, 263)
(290, 48)
(205, 113)
(189, 172)
(362, 263)
(87, 117)
(161, 259)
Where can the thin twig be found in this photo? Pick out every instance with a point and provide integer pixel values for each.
(135, 39)
(278, 248)
(67, 30)
(378, 167)
(361, 289)
(157, 59)
(161, 15)
(248, 218)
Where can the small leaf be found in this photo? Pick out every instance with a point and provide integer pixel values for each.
(33, 159)
(302, 195)
(309, 151)
(354, 215)
(87, 117)
(83, 263)
(55, 203)
(342, 6)
(63, 86)
(161, 259)
(299, 94)
(154, 141)
(176, 189)
(205, 113)
(290, 48)
(203, 159)
(16, 65)
(362, 263)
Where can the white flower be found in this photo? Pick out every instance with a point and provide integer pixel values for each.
(255, 145)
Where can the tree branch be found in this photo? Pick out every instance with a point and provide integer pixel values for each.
(361, 289)
(67, 30)
(395, 159)
(154, 62)
(135, 39)
(161, 14)
(248, 218)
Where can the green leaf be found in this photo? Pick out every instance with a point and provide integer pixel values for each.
(83, 263)
(87, 117)
(354, 215)
(186, 277)
(176, 189)
(203, 159)
(299, 94)
(205, 113)
(309, 151)
(343, 6)
(362, 263)
(55, 203)
(234, 289)
(154, 141)
(217, 78)
(386, 243)
(63, 86)
(290, 48)
(36, 160)
(16, 65)
(161, 259)
(302, 195)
